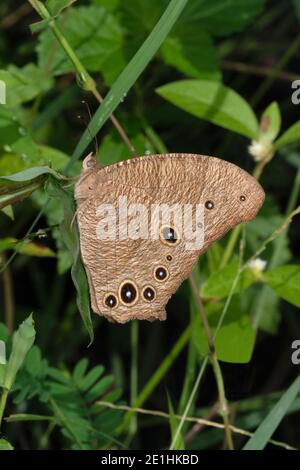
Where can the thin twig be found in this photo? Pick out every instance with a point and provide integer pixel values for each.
(202, 421)
(258, 70)
(9, 305)
(224, 410)
(14, 17)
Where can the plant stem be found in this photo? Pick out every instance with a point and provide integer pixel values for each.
(3, 400)
(84, 78)
(9, 306)
(291, 50)
(215, 365)
(134, 373)
(223, 401)
(158, 375)
(278, 245)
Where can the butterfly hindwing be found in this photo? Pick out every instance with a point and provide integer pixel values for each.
(132, 275)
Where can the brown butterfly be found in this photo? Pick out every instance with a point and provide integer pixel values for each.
(133, 277)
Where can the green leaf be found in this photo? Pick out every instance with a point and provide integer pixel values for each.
(285, 281)
(213, 102)
(297, 7)
(26, 247)
(220, 282)
(23, 340)
(70, 238)
(113, 150)
(91, 378)
(270, 123)
(109, 5)
(191, 51)
(29, 174)
(54, 7)
(270, 320)
(79, 370)
(267, 428)
(8, 210)
(15, 418)
(221, 17)
(24, 84)
(289, 136)
(130, 74)
(9, 127)
(5, 445)
(94, 34)
(14, 188)
(235, 340)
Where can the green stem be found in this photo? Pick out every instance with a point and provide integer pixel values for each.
(83, 77)
(3, 400)
(291, 50)
(222, 399)
(134, 373)
(234, 236)
(158, 375)
(154, 138)
(278, 245)
(215, 364)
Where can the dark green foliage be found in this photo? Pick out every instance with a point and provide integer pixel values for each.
(202, 76)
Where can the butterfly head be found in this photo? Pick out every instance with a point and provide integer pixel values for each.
(88, 178)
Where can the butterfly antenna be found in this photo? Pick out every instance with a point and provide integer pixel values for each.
(87, 125)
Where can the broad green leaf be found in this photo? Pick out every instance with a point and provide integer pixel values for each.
(9, 127)
(213, 102)
(236, 338)
(269, 425)
(23, 340)
(95, 35)
(5, 445)
(289, 136)
(220, 282)
(191, 51)
(270, 319)
(285, 281)
(110, 5)
(14, 188)
(270, 123)
(221, 17)
(113, 150)
(130, 74)
(54, 7)
(24, 84)
(29, 174)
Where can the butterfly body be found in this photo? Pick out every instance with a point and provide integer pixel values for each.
(133, 272)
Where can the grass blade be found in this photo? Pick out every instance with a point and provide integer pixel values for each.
(130, 74)
(266, 429)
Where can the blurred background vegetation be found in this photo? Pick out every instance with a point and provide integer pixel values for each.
(251, 47)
